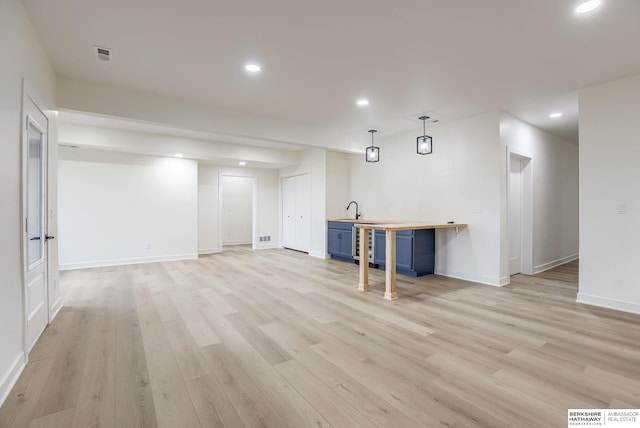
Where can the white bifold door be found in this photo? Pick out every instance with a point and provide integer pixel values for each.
(34, 228)
(296, 219)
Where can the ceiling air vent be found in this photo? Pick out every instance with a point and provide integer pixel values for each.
(103, 54)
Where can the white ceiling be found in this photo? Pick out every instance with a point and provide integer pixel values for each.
(453, 58)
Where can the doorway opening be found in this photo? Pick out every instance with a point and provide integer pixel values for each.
(236, 220)
(520, 212)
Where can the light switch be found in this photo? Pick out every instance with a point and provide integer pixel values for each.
(621, 209)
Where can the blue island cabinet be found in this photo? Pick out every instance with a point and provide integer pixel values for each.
(339, 242)
(415, 251)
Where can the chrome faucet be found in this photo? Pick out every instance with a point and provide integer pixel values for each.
(357, 211)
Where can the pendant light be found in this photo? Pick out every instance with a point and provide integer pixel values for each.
(373, 152)
(425, 142)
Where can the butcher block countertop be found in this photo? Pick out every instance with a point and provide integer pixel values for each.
(409, 226)
(398, 225)
(362, 220)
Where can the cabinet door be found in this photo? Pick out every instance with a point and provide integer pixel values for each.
(346, 243)
(379, 250)
(404, 252)
(334, 246)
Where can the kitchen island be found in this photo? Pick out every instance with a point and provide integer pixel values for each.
(390, 249)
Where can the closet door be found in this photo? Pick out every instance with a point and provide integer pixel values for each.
(289, 212)
(303, 217)
(296, 219)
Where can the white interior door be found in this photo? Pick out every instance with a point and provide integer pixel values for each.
(296, 207)
(289, 212)
(515, 216)
(34, 209)
(303, 208)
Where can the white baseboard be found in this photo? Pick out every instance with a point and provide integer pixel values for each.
(132, 261)
(55, 308)
(266, 246)
(604, 302)
(205, 251)
(555, 263)
(319, 254)
(481, 279)
(10, 378)
(236, 243)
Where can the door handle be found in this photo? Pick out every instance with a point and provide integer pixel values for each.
(35, 238)
(48, 237)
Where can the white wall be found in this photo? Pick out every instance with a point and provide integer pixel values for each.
(237, 209)
(208, 211)
(266, 209)
(555, 193)
(338, 185)
(118, 208)
(609, 177)
(459, 182)
(314, 163)
(24, 58)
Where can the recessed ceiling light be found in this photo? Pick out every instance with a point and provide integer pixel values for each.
(362, 102)
(555, 115)
(588, 6)
(242, 163)
(253, 68)
(179, 155)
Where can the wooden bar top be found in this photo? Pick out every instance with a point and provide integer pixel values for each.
(409, 226)
(361, 220)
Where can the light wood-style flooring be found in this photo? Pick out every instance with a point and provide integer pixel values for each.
(275, 338)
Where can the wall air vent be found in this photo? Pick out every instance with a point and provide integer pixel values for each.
(103, 54)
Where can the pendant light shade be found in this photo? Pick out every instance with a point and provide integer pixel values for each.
(425, 142)
(373, 152)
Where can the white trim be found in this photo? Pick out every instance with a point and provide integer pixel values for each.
(319, 254)
(133, 261)
(480, 279)
(11, 377)
(267, 246)
(55, 309)
(209, 251)
(604, 302)
(555, 263)
(237, 243)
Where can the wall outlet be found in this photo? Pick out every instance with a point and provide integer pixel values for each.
(476, 208)
(265, 238)
(621, 209)
(147, 246)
